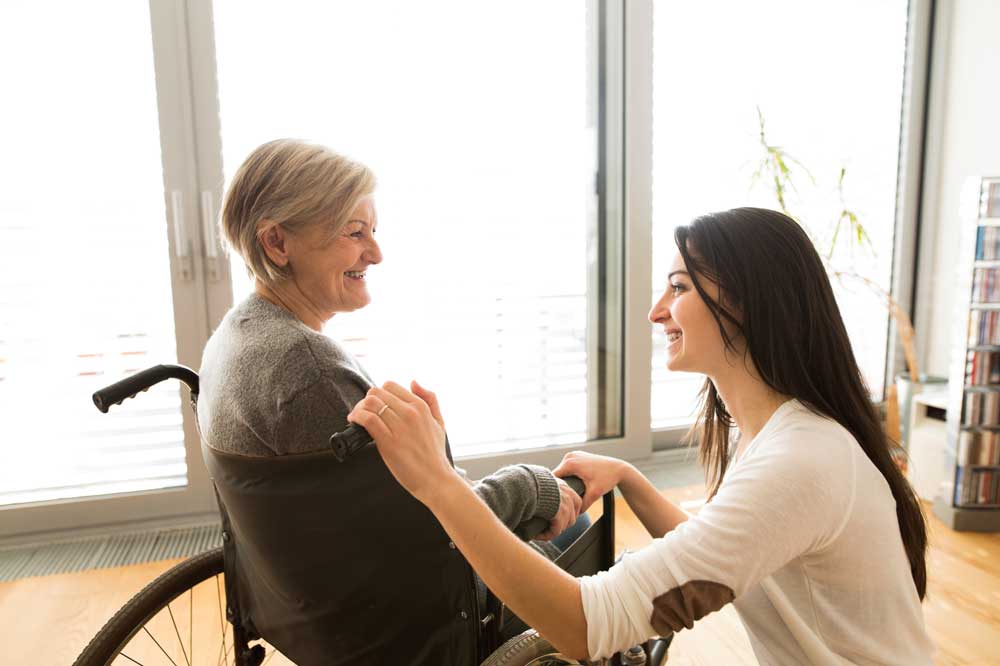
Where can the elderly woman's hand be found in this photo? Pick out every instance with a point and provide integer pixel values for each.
(408, 431)
(569, 511)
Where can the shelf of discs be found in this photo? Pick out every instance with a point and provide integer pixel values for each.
(971, 497)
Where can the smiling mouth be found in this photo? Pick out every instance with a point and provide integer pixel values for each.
(355, 275)
(674, 337)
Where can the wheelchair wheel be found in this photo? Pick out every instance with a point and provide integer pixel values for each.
(178, 619)
(529, 649)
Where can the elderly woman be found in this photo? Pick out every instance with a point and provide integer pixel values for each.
(272, 384)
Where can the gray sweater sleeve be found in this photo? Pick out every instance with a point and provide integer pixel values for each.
(520, 492)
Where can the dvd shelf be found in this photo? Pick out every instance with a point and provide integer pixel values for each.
(971, 497)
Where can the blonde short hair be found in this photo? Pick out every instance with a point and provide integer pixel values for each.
(293, 184)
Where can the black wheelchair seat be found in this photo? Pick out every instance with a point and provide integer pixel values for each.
(335, 563)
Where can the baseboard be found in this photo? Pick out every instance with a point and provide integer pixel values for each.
(102, 552)
(45, 538)
(962, 519)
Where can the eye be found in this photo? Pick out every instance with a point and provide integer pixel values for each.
(676, 288)
(356, 230)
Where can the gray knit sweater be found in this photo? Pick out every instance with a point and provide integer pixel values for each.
(270, 385)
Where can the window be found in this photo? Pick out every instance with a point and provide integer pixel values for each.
(827, 78)
(85, 278)
(484, 141)
(519, 146)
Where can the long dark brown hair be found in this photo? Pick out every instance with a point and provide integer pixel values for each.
(775, 294)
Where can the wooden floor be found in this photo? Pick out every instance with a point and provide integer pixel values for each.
(47, 621)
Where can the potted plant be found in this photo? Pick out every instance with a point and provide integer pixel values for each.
(780, 172)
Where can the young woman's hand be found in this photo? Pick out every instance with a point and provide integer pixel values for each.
(599, 473)
(409, 432)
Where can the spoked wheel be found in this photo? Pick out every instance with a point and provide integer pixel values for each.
(179, 619)
(530, 649)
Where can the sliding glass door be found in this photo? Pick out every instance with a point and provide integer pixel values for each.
(492, 145)
(514, 146)
(100, 273)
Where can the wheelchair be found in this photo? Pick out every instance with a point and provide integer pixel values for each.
(208, 609)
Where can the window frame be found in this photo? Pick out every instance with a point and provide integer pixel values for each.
(625, 170)
(191, 145)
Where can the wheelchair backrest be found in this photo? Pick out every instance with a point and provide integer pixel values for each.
(335, 563)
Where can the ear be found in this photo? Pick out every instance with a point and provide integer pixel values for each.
(272, 237)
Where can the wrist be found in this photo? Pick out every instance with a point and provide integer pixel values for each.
(627, 474)
(445, 491)
(548, 494)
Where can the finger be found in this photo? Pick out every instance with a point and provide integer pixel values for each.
(400, 407)
(554, 529)
(367, 419)
(588, 499)
(564, 469)
(375, 405)
(401, 393)
(429, 398)
(569, 466)
(382, 411)
(370, 403)
(558, 526)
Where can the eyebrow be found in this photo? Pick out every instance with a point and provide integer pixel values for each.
(676, 273)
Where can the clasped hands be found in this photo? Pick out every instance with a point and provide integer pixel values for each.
(408, 430)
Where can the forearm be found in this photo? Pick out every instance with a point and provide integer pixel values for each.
(657, 514)
(518, 492)
(540, 593)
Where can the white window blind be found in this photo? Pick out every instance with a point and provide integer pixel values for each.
(85, 295)
(484, 143)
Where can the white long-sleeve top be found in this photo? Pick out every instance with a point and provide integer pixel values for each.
(802, 537)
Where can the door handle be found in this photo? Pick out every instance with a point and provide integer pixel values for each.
(210, 236)
(182, 244)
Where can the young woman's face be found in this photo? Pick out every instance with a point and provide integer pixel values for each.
(694, 343)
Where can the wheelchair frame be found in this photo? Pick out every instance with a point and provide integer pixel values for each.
(591, 552)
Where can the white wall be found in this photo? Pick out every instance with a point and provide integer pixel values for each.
(963, 141)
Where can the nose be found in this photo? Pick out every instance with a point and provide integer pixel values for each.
(373, 253)
(660, 312)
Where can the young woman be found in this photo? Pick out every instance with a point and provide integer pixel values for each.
(810, 530)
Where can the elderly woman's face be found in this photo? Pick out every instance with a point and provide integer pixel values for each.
(331, 274)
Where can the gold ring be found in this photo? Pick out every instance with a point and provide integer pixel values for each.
(384, 407)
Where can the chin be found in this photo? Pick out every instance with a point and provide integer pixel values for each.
(677, 364)
(351, 306)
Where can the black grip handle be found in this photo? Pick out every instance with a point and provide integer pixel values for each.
(532, 527)
(142, 381)
(348, 441)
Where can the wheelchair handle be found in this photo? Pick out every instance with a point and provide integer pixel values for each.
(131, 386)
(349, 441)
